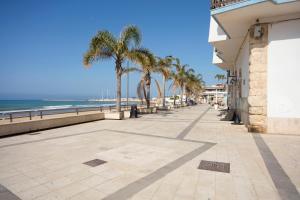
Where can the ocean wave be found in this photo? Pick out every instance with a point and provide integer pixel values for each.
(57, 107)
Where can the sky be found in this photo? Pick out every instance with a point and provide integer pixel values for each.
(42, 44)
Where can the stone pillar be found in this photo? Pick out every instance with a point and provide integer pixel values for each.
(257, 99)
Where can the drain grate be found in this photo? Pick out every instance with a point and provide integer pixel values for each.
(94, 163)
(214, 166)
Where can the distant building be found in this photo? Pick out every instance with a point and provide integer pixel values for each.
(215, 94)
(258, 43)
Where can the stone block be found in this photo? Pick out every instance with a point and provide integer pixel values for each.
(257, 101)
(257, 76)
(257, 67)
(258, 120)
(259, 84)
(257, 111)
(258, 57)
(257, 128)
(257, 91)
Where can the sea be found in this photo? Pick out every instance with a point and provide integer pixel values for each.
(20, 105)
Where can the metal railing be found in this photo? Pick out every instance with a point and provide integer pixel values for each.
(221, 3)
(41, 113)
(11, 115)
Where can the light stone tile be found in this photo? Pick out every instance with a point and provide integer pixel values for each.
(79, 175)
(23, 186)
(71, 190)
(89, 194)
(131, 157)
(33, 193)
(51, 196)
(14, 179)
(58, 183)
(93, 181)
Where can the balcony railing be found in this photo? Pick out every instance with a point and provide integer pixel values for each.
(221, 3)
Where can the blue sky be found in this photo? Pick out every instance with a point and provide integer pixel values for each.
(42, 43)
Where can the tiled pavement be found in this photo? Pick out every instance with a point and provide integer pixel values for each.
(152, 157)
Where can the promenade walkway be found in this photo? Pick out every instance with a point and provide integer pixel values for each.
(153, 157)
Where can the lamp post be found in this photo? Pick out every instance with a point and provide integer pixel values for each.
(127, 86)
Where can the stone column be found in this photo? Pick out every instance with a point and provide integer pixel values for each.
(257, 99)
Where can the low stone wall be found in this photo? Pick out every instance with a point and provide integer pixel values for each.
(114, 115)
(147, 110)
(36, 125)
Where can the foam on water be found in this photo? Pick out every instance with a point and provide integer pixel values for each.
(56, 107)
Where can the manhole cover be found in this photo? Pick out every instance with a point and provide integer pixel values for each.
(214, 166)
(94, 163)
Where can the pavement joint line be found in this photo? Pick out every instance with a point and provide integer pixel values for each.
(185, 131)
(133, 188)
(83, 133)
(159, 136)
(140, 184)
(52, 138)
(285, 187)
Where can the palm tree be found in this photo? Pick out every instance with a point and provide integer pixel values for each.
(194, 84)
(164, 67)
(147, 64)
(180, 76)
(220, 77)
(104, 45)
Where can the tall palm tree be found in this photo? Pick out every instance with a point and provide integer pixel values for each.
(164, 67)
(147, 63)
(194, 85)
(180, 76)
(104, 45)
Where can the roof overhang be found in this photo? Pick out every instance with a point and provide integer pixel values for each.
(235, 20)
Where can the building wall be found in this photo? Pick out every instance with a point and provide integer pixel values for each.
(242, 86)
(284, 69)
(284, 77)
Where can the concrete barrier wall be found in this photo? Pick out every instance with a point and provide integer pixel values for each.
(36, 125)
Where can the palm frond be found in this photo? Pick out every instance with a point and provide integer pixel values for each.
(131, 35)
(102, 46)
(131, 69)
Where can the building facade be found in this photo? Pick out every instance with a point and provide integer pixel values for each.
(258, 43)
(215, 94)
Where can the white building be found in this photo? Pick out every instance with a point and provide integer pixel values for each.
(258, 43)
(215, 94)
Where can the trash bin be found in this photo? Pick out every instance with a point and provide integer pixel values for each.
(133, 111)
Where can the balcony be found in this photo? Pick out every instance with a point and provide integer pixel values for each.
(221, 3)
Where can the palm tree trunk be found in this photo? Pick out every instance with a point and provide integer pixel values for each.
(119, 81)
(164, 89)
(174, 102)
(148, 95)
(148, 84)
(118, 100)
(181, 96)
